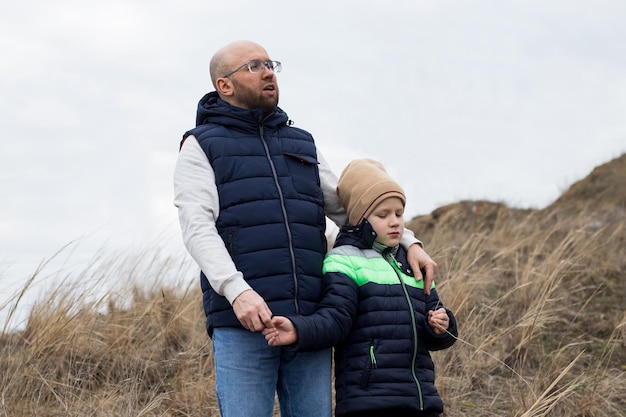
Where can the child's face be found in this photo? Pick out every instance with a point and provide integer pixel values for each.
(387, 221)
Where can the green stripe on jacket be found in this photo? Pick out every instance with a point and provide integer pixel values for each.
(367, 266)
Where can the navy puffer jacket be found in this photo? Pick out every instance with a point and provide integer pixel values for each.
(271, 207)
(376, 315)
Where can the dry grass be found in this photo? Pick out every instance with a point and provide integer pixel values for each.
(138, 350)
(542, 313)
(540, 297)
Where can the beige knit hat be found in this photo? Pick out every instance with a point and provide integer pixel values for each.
(362, 185)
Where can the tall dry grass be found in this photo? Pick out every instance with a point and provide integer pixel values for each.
(136, 348)
(540, 303)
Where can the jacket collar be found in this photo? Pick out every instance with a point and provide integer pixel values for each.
(211, 108)
(362, 236)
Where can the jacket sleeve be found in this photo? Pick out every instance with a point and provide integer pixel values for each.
(433, 340)
(333, 318)
(195, 196)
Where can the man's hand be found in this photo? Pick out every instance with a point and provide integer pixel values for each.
(419, 259)
(252, 311)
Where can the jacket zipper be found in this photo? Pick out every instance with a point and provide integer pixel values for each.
(394, 265)
(284, 210)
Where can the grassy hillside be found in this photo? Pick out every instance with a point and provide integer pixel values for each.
(540, 296)
(541, 300)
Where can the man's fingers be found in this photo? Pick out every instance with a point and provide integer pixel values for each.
(260, 320)
(430, 271)
(418, 274)
(252, 311)
(429, 268)
(266, 317)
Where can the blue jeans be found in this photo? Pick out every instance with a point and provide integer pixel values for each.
(249, 372)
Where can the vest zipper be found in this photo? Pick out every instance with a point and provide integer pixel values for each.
(394, 265)
(284, 210)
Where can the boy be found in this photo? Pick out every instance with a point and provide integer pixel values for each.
(374, 312)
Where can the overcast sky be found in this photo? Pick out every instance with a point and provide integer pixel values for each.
(509, 101)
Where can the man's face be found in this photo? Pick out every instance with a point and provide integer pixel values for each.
(252, 90)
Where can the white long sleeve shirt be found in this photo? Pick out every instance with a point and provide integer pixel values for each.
(197, 200)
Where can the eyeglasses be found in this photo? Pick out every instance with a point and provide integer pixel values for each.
(257, 66)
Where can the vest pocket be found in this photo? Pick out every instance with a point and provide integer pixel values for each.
(302, 159)
(304, 173)
(228, 236)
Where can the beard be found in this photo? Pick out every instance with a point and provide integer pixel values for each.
(256, 99)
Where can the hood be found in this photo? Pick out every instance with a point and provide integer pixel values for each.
(212, 109)
(361, 236)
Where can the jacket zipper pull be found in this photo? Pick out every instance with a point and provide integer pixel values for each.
(373, 357)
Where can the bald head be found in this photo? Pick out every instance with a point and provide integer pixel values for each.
(230, 56)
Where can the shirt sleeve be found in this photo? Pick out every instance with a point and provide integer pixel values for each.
(197, 200)
(332, 206)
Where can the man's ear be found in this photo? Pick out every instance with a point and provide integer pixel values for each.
(224, 87)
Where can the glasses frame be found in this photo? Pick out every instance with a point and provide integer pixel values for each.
(270, 65)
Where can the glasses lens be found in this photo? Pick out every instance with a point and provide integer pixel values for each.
(255, 65)
(258, 66)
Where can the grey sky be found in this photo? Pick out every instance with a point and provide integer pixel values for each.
(509, 101)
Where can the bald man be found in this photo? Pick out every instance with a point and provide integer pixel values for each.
(253, 193)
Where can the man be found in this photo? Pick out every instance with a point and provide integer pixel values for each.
(252, 193)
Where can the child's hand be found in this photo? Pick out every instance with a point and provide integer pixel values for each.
(439, 320)
(282, 333)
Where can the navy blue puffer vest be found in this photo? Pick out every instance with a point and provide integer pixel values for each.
(271, 207)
